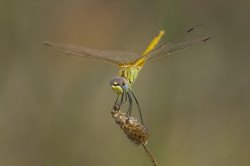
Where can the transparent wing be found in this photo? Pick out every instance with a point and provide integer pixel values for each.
(118, 58)
(169, 49)
(175, 38)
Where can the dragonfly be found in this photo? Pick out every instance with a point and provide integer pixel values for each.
(130, 63)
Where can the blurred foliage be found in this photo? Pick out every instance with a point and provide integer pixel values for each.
(55, 110)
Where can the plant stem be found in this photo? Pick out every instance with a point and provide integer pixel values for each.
(149, 154)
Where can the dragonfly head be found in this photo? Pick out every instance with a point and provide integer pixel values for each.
(119, 84)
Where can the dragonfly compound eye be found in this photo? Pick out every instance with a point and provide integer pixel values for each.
(114, 81)
(123, 83)
(119, 84)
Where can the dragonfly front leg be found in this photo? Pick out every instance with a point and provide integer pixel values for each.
(117, 105)
(119, 101)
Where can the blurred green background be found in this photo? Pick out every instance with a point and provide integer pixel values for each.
(55, 110)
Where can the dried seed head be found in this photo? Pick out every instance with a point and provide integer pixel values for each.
(135, 131)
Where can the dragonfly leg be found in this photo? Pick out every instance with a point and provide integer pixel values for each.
(117, 106)
(119, 101)
(130, 104)
(124, 100)
(137, 106)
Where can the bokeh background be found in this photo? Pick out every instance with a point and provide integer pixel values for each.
(55, 110)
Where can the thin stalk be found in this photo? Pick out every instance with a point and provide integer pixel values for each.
(149, 154)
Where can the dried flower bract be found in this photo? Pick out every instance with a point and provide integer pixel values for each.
(135, 131)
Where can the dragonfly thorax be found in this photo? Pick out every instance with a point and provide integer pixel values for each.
(130, 73)
(119, 85)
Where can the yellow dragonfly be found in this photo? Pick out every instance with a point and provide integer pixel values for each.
(129, 63)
